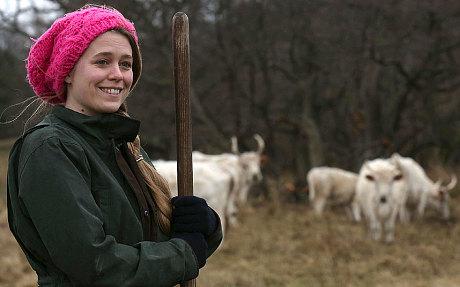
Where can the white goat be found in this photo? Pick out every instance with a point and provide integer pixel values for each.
(422, 191)
(223, 180)
(209, 182)
(381, 190)
(243, 167)
(330, 184)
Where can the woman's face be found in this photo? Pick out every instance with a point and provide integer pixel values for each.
(102, 77)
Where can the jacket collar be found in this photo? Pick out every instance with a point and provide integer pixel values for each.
(101, 126)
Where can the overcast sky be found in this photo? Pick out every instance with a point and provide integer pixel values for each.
(22, 3)
(9, 6)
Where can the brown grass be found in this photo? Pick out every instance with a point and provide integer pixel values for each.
(5, 146)
(285, 245)
(14, 269)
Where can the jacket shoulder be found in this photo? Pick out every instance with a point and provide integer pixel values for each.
(48, 132)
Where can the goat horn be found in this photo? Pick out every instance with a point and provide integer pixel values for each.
(260, 143)
(235, 149)
(452, 183)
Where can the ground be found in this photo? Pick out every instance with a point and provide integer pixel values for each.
(287, 246)
(284, 244)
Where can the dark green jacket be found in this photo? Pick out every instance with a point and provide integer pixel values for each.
(75, 215)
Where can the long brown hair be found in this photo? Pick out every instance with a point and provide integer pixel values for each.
(156, 183)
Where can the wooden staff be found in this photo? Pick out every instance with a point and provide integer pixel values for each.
(181, 51)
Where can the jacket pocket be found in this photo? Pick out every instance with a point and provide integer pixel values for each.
(119, 217)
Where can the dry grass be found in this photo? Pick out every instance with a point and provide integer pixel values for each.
(14, 269)
(5, 146)
(287, 246)
(284, 245)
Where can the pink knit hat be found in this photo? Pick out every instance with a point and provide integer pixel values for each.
(53, 56)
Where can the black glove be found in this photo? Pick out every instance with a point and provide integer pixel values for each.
(198, 243)
(192, 214)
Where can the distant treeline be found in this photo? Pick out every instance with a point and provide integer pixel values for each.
(324, 82)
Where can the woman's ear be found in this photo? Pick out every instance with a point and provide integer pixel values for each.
(68, 78)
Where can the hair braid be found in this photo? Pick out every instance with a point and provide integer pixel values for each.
(156, 183)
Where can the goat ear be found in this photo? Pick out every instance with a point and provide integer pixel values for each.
(264, 160)
(366, 164)
(395, 159)
(395, 155)
(437, 187)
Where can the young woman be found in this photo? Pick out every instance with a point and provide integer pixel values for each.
(84, 202)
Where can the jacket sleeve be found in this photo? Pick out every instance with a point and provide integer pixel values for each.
(215, 239)
(57, 197)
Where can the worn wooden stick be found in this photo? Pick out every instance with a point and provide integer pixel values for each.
(181, 51)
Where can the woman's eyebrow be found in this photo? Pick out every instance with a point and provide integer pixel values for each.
(110, 54)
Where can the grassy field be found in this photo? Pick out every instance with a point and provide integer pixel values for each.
(287, 246)
(284, 245)
(5, 146)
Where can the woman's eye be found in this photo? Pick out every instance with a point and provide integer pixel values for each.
(126, 65)
(102, 62)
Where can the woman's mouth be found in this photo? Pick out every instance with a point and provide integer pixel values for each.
(112, 91)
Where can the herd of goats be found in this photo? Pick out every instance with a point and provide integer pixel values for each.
(384, 189)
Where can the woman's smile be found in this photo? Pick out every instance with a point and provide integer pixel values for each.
(112, 91)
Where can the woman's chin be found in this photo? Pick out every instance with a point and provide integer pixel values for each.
(109, 108)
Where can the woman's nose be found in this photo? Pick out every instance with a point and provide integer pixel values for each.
(115, 73)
